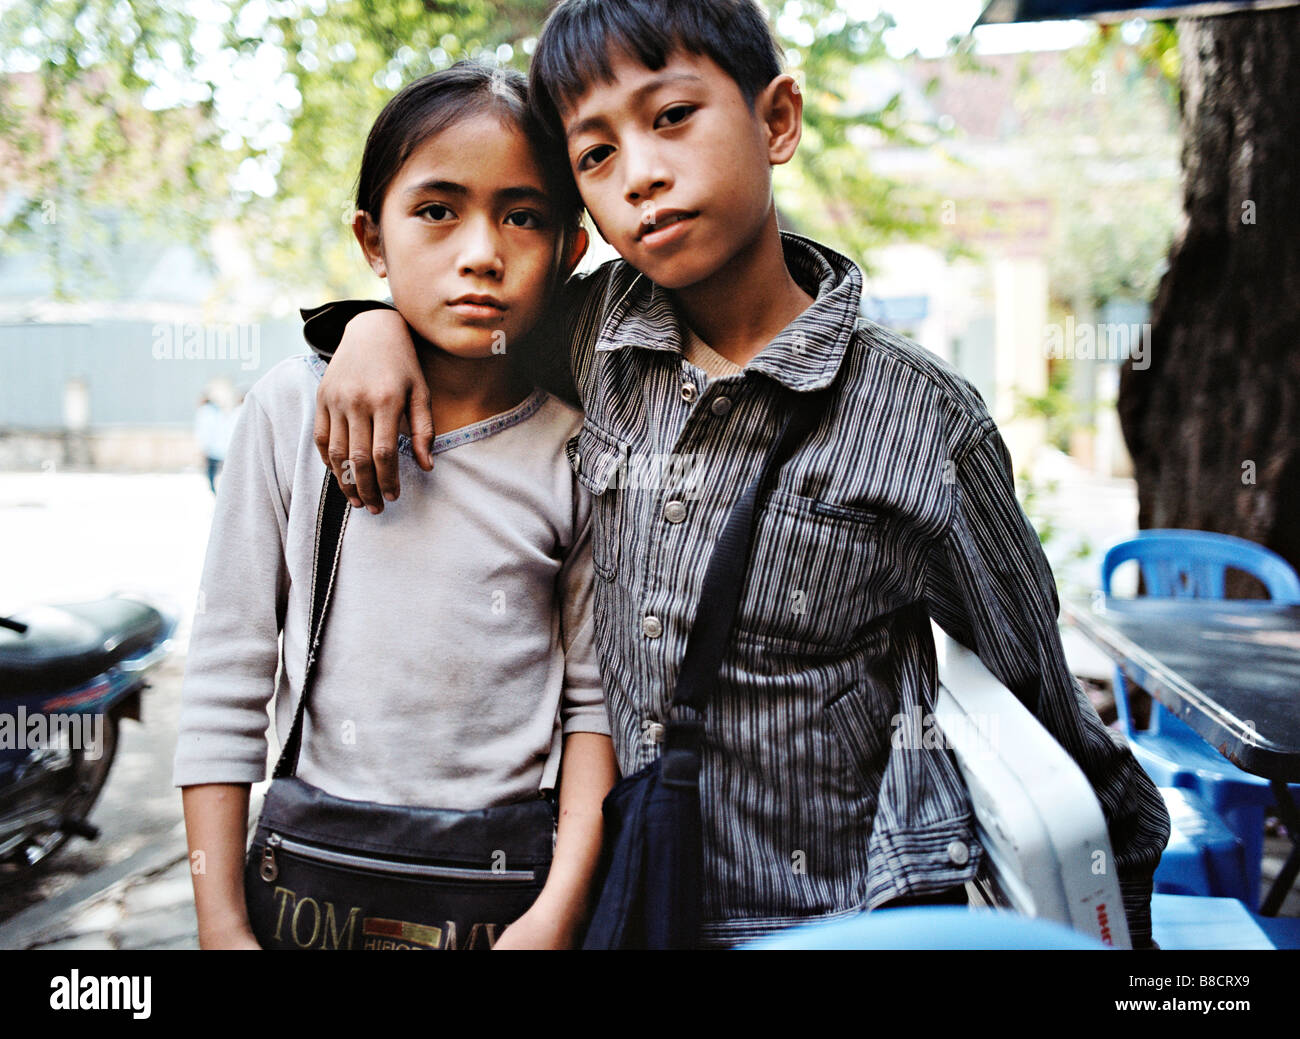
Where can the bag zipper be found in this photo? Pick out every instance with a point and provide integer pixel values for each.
(271, 869)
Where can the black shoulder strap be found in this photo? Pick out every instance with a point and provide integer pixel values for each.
(331, 519)
(724, 580)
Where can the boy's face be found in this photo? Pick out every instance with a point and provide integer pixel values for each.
(673, 165)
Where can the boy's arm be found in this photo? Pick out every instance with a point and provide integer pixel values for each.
(374, 378)
(990, 587)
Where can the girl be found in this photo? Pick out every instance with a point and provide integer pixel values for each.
(458, 655)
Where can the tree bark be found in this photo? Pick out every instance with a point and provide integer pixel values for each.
(1213, 423)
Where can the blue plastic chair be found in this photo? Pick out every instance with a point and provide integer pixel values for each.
(1192, 564)
(931, 927)
(1177, 922)
(1203, 856)
(1194, 922)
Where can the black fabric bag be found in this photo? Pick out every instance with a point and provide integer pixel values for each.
(327, 873)
(652, 860)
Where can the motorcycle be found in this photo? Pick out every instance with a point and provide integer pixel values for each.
(69, 675)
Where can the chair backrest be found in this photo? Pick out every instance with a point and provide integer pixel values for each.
(1191, 564)
(1047, 852)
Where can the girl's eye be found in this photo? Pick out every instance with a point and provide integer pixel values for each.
(525, 218)
(436, 212)
(673, 116)
(591, 159)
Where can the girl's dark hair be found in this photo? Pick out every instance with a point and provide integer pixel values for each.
(432, 104)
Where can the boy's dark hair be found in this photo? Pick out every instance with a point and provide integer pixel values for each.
(575, 44)
(432, 104)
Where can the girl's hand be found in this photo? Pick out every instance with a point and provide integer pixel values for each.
(373, 379)
(541, 928)
(239, 938)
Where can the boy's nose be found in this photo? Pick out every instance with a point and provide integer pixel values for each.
(645, 190)
(646, 174)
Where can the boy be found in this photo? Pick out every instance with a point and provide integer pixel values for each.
(898, 507)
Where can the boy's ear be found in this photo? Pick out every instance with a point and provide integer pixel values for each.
(367, 232)
(576, 249)
(780, 106)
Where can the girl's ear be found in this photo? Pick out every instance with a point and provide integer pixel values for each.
(575, 250)
(367, 232)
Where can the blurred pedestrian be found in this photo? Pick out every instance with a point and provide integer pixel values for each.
(212, 431)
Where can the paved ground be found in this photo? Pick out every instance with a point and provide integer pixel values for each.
(151, 908)
(65, 537)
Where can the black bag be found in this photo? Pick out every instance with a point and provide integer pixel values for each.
(652, 860)
(327, 873)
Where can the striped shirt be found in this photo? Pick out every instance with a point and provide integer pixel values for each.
(899, 507)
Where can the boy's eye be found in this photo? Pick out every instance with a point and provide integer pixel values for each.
(673, 116)
(526, 218)
(590, 159)
(436, 212)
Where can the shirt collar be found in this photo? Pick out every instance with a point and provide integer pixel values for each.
(807, 352)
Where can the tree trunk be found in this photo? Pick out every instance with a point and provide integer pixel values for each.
(1213, 423)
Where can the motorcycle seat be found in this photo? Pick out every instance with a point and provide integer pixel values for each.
(69, 645)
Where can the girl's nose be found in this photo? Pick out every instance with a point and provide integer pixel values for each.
(480, 252)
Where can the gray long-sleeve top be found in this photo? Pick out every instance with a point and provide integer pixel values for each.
(459, 642)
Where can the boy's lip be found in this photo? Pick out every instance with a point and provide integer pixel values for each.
(664, 218)
(476, 306)
(479, 299)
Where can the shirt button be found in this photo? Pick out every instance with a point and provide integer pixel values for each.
(577, 462)
(674, 512)
(688, 391)
(958, 853)
(652, 627)
(721, 405)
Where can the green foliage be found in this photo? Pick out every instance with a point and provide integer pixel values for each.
(145, 141)
(1056, 406)
(346, 64)
(91, 150)
(830, 187)
(1111, 139)
(1062, 550)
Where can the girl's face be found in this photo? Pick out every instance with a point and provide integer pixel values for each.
(466, 237)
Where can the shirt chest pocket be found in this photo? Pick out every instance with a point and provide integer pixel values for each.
(816, 573)
(599, 460)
